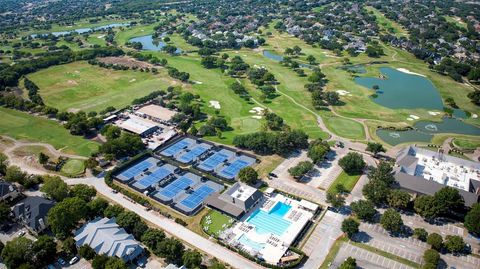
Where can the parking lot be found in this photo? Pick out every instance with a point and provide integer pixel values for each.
(365, 258)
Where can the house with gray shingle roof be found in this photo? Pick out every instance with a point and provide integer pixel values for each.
(105, 237)
(32, 212)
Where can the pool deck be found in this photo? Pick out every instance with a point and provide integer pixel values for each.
(270, 242)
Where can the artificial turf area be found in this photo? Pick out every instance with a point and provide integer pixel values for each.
(218, 220)
(20, 125)
(81, 86)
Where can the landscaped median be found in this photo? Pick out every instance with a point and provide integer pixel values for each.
(348, 182)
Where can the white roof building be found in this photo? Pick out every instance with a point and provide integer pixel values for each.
(105, 237)
(138, 125)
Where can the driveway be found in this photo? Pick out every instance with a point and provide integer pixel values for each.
(169, 226)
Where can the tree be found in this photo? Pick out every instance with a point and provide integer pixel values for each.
(15, 174)
(3, 163)
(301, 169)
(448, 200)
(391, 221)
(100, 261)
(420, 233)
(317, 150)
(376, 191)
(43, 158)
(383, 172)
(454, 244)
(170, 249)
(113, 211)
(69, 246)
(435, 240)
(350, 227)
(431, 256)
(336, 200)
(375, 148)
(472, 218)
(364, 209)
(398, 199)
(115, 263)
(349, 263)
(4, 212)
(63, 217)
(192, 259)
(311, 59)
(44, 249)
(55, 188)
(352, 163)
(96, 207)
(248, 175)
(83, 191)
(111, 131)
(87, 252)
(17, 252)
(151, 238)
(426, 206)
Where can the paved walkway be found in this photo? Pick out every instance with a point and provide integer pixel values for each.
(169, 226)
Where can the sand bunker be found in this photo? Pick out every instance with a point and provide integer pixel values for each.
(474, 116)
(257, 110)
(434, 113)
(404, 70)
(132, 80)
(414, 117)
(101, 36)
(257, 117)
(215, 104)
(197, 82)
(343, 92)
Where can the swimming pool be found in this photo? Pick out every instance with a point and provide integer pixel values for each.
(252, 244)
(271, 222)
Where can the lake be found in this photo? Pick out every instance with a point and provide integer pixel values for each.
(152, 44)
(401, 90)
(273, 56)
(424, 131)
(85, 30)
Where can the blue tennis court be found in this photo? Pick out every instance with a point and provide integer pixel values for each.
(232, 170)
(197, 197)
(192, 154)
(155, 177)
(176, 186)
(213, 161)
(136, 169)
(177, 147)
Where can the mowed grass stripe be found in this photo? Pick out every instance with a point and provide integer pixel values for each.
(81, 86)
(20, 125)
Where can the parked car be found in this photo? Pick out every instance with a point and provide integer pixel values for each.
(73, 260)
(21, 233)
(61, 261)
(273, 175)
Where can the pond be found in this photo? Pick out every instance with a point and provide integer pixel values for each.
(354, 68)
(401, 90)
(424, 131)
(273, 56)
(85, 30)
(152, 44)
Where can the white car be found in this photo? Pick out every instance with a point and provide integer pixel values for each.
(21, 233)
(73, 260)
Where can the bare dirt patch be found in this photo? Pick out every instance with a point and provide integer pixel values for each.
(125, 61)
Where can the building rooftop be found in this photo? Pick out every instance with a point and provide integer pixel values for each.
(137, 125)
(157, 112)
(32, 211)
(241, 192)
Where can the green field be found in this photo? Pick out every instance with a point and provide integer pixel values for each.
(345, 127)
(386, 24)
(81, 86)
(20, 125)
(466, 144)
(457, 21)
(73, 167)
(217, 221)
(348, 181)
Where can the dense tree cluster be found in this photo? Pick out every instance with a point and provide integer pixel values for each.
(280, 143)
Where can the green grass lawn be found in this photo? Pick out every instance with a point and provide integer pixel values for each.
(457, 21)
(73, 167)
(81, 86)
(386, 24)
(345, 127)
(20, 125)
(217, 221)
(466, 143)
(348, 181)
(97, 39)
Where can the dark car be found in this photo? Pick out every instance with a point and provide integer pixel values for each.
(272, 175)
